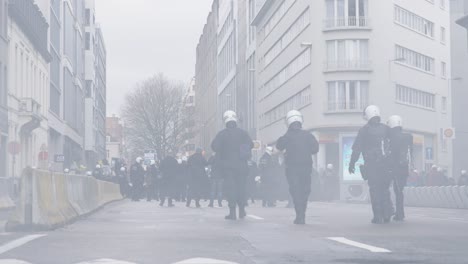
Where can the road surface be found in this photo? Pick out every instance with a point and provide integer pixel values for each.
(144, 233)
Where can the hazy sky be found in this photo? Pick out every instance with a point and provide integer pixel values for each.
(144, 37)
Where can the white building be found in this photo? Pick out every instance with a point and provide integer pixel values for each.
(28, 96)
(332, 58)
(95, 96)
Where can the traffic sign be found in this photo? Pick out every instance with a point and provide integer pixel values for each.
(449, 133)
(59, 158)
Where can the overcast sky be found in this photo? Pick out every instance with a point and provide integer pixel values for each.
(144, 37)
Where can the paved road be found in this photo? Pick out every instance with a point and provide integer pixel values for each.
(128, 232)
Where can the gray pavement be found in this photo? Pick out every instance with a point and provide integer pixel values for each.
(129, 232)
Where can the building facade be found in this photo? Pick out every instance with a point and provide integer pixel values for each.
(206, 80)
(332, 58)
(95, 92)
(459, 46)
(3, 87)
(28, 80)
(67, 85)
(115, 141)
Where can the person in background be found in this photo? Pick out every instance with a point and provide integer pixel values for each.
(216, 181)
(197, 177)
(234, 147)
(331, 183)
(268, 169)
(151, 180)
(97, 173)
(463, 179)
(252, 186)
(299, 146)
(123, 181)
(169, 169)
(137, 177)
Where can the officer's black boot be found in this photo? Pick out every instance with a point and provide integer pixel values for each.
(220, 203)
(232, 214)
(242, 213)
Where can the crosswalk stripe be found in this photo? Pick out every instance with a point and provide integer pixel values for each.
(106, 261)
(204, 261)
(18, 242)
(359, 245)
(256, 217)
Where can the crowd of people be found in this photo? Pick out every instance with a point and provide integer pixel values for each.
(231, 174)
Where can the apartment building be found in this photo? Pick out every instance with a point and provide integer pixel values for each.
(3, 87)
(332, 58)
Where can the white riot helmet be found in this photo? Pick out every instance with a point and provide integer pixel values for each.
(66, 170)
(179, 161)
(98, 166)
(269, 150)
(371, 111)
(152, 162)
(122, 169)
(463, 172)
(294, 116)
(229, 116)
(138, 160)
(330, 166)
(89, 173)
(395, 121)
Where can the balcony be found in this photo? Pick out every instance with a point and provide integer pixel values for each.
(31, 110)
(349, 106)
(346, 23)
(347, 65)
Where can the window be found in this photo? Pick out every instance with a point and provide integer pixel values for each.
(347, 54)
(443, 69)
(296, 28)
(346, 13)
(413, 21)
(297, 101)
(277, 16)
(88, 41)
(347, 95)
(88, 17)
(413, 97)
(293, 68)
(442, 35)
(415, 59)
(444, 104)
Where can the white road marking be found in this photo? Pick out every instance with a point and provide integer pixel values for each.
(204, 261)
(359, 245)
(13, 261)
(105, 261)
(18, 242)
(256, 217)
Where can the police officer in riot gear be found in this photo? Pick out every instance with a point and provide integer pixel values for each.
(234, 147)
(372, 143)
(197, 177)
(400, 159)
(137, 177)
(268, 166)
(299, 146)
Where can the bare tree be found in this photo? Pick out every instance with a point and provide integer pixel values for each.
(154, 117)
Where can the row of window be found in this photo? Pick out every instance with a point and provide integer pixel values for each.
(226, 58)
(414, 97)
(276, 17)
(348, 95)
(413, 21)
(414, 59)
(349, 53)
(296, 28)
(226, 26)
(294, 67)
(346, 8)
(297, 101)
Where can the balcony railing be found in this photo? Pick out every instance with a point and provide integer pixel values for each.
(337, 23)
(350, 106)
(348, 65)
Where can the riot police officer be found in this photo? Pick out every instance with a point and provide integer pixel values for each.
(234, 147)
(372, 143)
(299, 146)
(401, 153)
(137, 177)
(197, 177)
(268, 166)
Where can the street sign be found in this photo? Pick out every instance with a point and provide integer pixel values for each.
(59, 158)
(14, 148)
(429, 154)
(449, 133)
